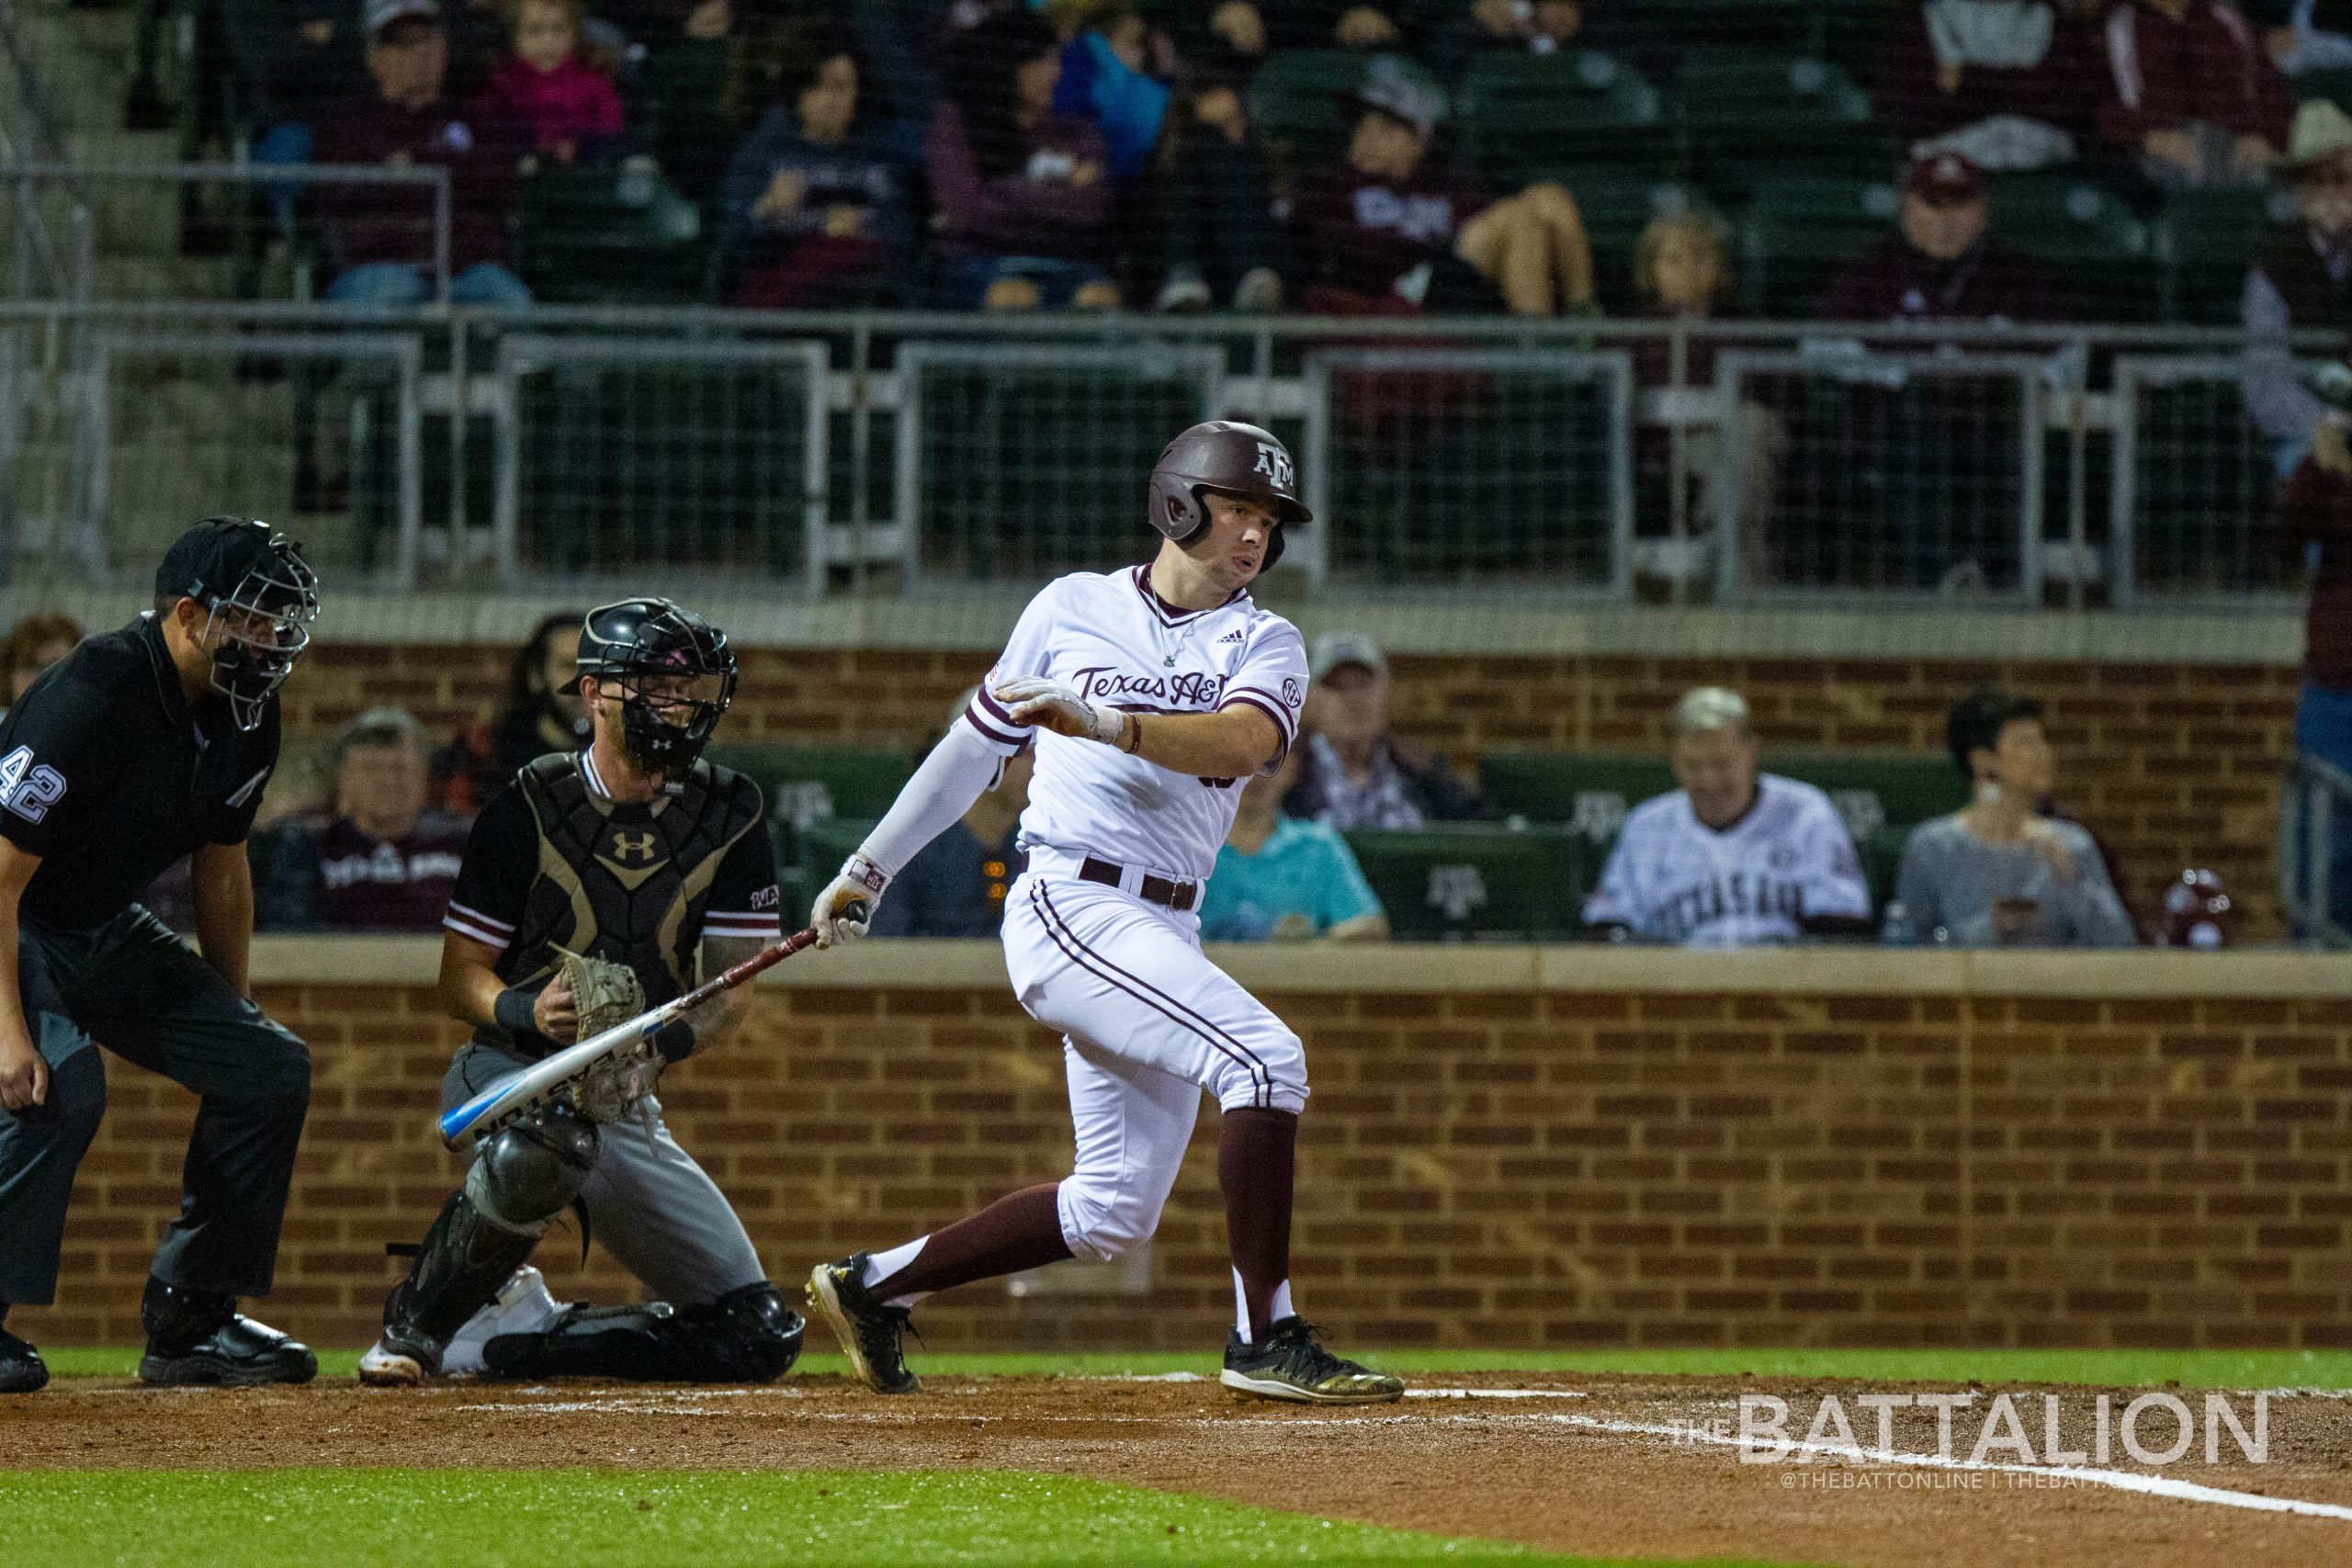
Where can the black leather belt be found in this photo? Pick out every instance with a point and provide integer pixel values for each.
(1177, 896)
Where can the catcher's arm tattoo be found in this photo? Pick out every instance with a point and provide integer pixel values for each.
(720, 1017)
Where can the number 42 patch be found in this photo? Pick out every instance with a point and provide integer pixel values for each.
(28, 790)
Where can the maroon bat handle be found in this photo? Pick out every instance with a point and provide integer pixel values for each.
(726, 980)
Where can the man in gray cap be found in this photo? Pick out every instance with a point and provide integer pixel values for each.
(1352, 771)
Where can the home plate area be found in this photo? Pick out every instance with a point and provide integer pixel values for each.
(1610, 1466)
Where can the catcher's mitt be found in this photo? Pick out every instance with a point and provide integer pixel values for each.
(605, 994)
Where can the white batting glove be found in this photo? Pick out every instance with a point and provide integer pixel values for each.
(860, 883)
(1032, 700)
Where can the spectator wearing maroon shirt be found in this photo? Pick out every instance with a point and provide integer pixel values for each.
(2012, 83)
(1941, 265)
(384, 234)
(538, 716)
(1022, 194)
(1387, 230)
(569, 106)
(2191, 91)
(382, 861)
(2302, 281)
(2316, 512)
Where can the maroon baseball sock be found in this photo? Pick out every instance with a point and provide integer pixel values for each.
(1256, 1160)
(1021, 1230)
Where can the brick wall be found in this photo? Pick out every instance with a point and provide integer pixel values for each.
(1501, 1167)
(2176, 764)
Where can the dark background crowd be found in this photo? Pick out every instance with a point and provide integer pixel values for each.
(1397, 158)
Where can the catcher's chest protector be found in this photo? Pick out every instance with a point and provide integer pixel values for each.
(624, 880)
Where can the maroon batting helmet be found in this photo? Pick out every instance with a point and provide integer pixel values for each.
(1237, 459)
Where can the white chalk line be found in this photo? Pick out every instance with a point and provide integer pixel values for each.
(2118, 1480)
(2121, 1480)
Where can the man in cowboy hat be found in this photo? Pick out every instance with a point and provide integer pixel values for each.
(2303, 280)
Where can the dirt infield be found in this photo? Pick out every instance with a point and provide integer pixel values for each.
(1603, 1465)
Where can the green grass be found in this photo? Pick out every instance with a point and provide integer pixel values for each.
(2120, 1368)
(701, 1518)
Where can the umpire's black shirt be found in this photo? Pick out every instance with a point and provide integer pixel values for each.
(108, 775)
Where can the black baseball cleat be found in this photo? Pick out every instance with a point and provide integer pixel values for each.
(21, 1369)
(869, 1332)
(199, 1337)
(1291, 1364)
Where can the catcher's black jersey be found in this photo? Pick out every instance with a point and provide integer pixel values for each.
(554, 862)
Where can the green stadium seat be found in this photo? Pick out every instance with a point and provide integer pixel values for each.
(1521, 114)
(1790, 27)
(609, 236)
(1474, 882)
(1302, 103)
(824, 845)
(1587, 792)
(1798, 228)
(809, 783)
(2094, 244)
(1880, 853)
(2204, 241)
(1616, 205)
(1745, 115)
(1878, 789)
(681, 108)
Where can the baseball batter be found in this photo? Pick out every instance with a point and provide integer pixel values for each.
(1148, 693)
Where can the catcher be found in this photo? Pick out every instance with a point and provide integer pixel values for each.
(597, 885)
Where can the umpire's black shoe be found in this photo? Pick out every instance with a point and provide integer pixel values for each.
(1290, 1363)
(869, 1332)
(197, 1337)
(21, 1369)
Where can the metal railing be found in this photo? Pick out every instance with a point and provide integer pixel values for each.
(2315, 850)
(1621, 462)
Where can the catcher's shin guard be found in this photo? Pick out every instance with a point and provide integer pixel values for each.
(746, 1336)
(522, 1179)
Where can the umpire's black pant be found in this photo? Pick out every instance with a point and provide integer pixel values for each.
(131, 983)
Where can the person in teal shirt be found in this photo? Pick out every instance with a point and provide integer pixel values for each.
(1281, 879)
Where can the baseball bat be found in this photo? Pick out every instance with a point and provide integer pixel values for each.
(510, 1097)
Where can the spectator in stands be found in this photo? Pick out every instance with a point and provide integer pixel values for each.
(567, 102)
(1352, 771)
(33, 644)
(539, 715)
(385, 232)
(1386, 231)
(1682, 271)
(1256, 26)
(2000, 871)
(1114, 74)
(1022, 193)
(1223, 241)
(292, 60)
(2303, 35)
(1545, 27)
(954, 886)
(2302, 281)
(1941, 265)
(1282, 879)
(2192, 93)
(2009, 83)
(2316, 512)
(654, 23)
(1733, 857)
(815, 213)
(380, 860)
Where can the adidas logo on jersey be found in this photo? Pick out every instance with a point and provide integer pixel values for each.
(1233, 635)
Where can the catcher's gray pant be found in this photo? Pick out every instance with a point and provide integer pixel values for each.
(647, 1201)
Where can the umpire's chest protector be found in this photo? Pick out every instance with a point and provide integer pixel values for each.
(627, 881)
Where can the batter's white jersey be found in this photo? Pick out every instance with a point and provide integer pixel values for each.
(1672, 878)
(1117, 644)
